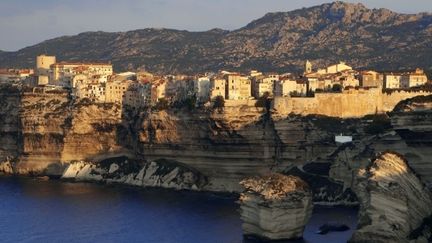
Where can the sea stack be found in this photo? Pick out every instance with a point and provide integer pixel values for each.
(394, 203)
(275, 207)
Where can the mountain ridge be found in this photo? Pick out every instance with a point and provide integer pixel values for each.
(278, 41)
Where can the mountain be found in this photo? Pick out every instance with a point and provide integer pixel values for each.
(364, 38)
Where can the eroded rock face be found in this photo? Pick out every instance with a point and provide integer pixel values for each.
(6, 167)
(275, 207)
(393, 200)
(161, 173)
(40, 133)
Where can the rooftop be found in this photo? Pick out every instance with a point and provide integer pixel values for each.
(81, 64)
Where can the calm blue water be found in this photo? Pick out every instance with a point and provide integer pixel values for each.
(54, 211)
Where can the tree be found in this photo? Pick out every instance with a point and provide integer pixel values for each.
(263, 101)
(337, 88)
(162, 104)
(219, 102)
(310, 93)
(379, 124)
(190, 102)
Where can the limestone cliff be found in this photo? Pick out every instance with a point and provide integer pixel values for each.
(91, 132)
(275, 207)
(393, 200)
(226, 146)
(43, 132)
(42, 118)
(10, 124)
(162, 173)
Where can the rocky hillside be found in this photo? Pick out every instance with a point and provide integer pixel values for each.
(375, 38)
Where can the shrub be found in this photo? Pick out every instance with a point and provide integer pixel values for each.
(379, 124)
(337, 88)
(219, 102)
(310, 93)
(263, 101)
(189, 102)
(162, 104)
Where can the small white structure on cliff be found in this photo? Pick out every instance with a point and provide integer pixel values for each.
(343, 139)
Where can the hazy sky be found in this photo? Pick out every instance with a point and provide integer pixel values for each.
(27, 22)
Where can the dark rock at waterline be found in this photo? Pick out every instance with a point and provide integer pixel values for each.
(330, 227)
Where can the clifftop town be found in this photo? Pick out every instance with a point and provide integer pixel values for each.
(366, 38)
(336, 90)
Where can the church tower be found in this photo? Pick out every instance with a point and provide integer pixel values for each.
(308, 67)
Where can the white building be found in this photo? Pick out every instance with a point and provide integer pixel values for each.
(414, 79)
(392, 81)
(238, 87)
(43, 72)
(341, 66)
(217, 87)
(202, 88)
(63, 72)
(288, 87)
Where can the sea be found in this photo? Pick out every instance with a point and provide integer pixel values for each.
(35, 210)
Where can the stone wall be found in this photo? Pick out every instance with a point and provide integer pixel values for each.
(234, 103)
(349, 103)
(390, 100)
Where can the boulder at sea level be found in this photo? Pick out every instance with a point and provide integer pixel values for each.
(275, 207)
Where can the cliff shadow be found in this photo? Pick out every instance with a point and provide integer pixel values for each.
(11, 136)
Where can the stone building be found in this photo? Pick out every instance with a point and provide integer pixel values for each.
(179, 88)
(326, 81)
(139, 95)
(49, 71)
(255, 73)
(158, 90)
(405, 80)
(264, 84)
(238, 87)
(341, 66)
(97, 92)
(392, 80)
(371, 79)
(217, 87)
(63, 72)
(43, 72)
(414, 79)
(115, 91)
(289, 87)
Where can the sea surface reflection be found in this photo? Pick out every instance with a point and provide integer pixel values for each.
(54, 211)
